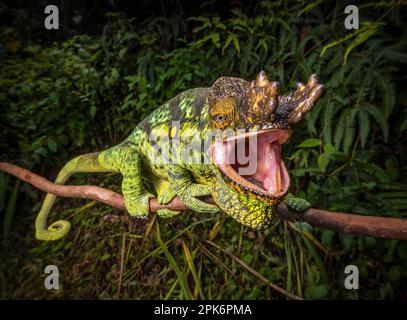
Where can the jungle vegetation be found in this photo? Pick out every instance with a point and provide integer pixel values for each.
(83, 88)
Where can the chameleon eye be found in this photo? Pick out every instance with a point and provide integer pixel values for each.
(220, 117)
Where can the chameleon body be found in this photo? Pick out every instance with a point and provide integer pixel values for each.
(182, 149)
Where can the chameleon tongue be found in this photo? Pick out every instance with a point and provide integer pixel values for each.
(278, 178)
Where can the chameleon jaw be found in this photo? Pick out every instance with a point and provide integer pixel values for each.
(263, 171)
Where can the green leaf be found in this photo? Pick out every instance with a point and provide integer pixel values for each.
(122, 53)
(340, 129)
(364, 126)
(365, 30)
(317, 292)
(105, 257)
(310, 143)
(350, 129)
(262, 43)
(231, 38)
(388, 91)
(92, 111)
(52, 145)
(311, 119)
(328, 114)
(309, 7)
(395, 272)
(216, 39)
(323, 161)
(236, 44)
(360, 38)
(329, 148)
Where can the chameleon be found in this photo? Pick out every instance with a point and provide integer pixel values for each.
(222, 141)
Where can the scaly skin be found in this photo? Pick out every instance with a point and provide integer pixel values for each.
(136, 158)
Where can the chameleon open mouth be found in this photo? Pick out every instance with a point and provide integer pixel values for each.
(253, 161)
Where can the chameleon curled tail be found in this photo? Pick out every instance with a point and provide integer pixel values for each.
(83, 163)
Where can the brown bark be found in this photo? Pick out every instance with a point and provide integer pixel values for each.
(384, 227)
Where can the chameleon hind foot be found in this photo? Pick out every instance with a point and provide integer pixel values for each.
(165, 197)
(165, 193)
(138, 206)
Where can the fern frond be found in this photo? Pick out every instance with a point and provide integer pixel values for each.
(329, 112)
(360, 35)
(343, 39)
(311, 119)
(364, 126)
(388, 91)
(340, 129)
(350, 129)
(360, 38)
(309, 7)
(379, 117)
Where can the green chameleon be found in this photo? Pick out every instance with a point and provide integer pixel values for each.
(223, 141)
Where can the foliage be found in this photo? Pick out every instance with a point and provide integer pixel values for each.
(87, 92)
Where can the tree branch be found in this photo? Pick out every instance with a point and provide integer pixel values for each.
(384, 227)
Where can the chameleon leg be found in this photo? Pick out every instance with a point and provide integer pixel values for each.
(127, 161)
(58, 229)
(165, 194)
(188, 191)
(298, 204)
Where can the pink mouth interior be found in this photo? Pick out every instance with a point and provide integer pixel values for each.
(269, 176)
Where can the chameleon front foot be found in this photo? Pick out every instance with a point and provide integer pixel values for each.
(300, 205)
(296, 204)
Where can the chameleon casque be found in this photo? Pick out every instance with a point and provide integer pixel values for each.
(237, 111)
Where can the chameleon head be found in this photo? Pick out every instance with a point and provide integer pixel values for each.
(254, 121)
